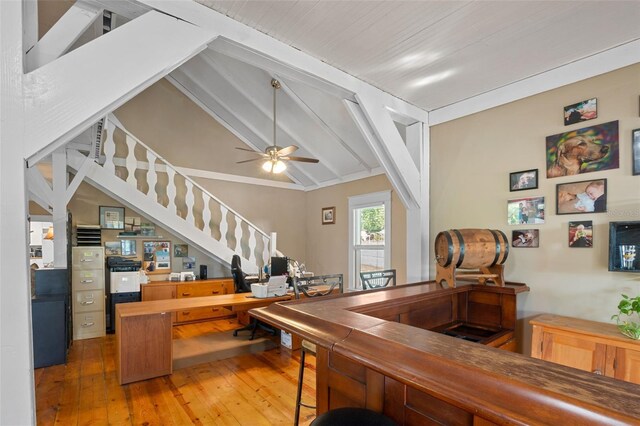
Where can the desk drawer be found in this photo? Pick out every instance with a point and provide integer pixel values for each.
(88, 324)
(203, 289)
(89, 279)
(88, 300)
(201, 314)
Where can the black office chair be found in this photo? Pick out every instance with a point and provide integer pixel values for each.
(318, 286)
(378, 279)
(242, 286)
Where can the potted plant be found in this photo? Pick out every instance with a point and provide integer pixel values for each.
(629, 308)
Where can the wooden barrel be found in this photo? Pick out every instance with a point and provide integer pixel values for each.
(471, 248)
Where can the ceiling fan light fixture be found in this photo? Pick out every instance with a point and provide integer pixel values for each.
(267, 166)
(279, 167)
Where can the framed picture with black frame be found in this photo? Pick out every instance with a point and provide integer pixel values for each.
(635, 150)
(111, 217)
(587, 196)
(526, 179)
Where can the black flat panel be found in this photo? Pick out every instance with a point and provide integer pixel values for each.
(49, 331)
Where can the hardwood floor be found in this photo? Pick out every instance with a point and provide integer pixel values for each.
(256, 389)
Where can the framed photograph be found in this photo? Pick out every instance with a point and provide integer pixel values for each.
(587, 196)
(525, 238)
(188, 263)
(128, 247)
(582, 111)
(157, 256)
(526, 179)
(180, 250)
(328, 215)
(112, 248)
(581, 234)
(590, 149)
(111, 217)
(522, 211)
(635, 154)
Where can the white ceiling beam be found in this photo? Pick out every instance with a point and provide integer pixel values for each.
(377, 127)
(320, 122)
(39, 187)
(609, 60)
(128, 9)
(63, 35)
(71, 93)
(78, 178)
(299, 65)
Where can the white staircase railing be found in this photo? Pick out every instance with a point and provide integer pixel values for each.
(154, 178)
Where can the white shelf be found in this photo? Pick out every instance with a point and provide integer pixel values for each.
(141, 237)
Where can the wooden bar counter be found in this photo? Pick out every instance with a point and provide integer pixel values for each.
(143, 331)
(375, 350)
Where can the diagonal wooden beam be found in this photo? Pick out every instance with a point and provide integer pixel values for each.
(71, 93)
(62, 36)
(39, 187)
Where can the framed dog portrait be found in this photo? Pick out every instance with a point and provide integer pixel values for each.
(525, 238)
(328, 215)
(590, 149)
(581, 234)
(582, 111)
(635, 151)
(587, 196)
(522, 211)
(526, 179)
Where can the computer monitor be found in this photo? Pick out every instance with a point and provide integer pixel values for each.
(279, 266)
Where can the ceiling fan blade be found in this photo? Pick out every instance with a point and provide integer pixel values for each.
(247, 149)
(302, 159)
(287, 150)
(247, 161)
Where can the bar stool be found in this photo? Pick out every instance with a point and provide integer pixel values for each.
(306, 347)
(350, 416)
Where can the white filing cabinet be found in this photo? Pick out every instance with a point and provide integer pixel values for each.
(87, 284)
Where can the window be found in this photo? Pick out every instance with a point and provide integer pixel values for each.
(369, 234)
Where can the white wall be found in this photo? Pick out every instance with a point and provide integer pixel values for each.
(471, 161)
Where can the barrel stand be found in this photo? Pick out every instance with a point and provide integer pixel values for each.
(448, 274)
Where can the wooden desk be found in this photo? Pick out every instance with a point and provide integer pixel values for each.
(143, 331)
(416, 376)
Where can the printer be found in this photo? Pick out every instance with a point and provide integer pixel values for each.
(277, 286)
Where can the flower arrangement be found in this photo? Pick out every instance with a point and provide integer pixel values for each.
(629, 308)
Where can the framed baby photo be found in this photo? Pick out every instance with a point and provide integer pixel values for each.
(526, 179)
(523, 211)
(635, 154)
(581, 234)
(525, 238)
(587, 196)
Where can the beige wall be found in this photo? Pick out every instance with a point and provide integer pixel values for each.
(471, 161)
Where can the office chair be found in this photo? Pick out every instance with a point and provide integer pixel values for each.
(242, 286)
(318, 286)
(378, 279)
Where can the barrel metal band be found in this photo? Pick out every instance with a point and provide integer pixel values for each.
(495, 237)
(506, 246)
(449, 249)
(461, 243)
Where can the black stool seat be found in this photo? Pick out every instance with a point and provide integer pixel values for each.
(351, 416)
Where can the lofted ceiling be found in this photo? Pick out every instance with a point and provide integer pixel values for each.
(432, 54)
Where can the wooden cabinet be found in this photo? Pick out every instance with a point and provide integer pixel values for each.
(182, 290)
(88, 298)
(587, 345)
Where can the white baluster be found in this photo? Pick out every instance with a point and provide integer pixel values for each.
(189, 198)
(224, 226)
(266, 250)
(152, 176)
(238, 234)
(110, 148)
(132, 163)
(252, 246)
(171, 189)
(206, 214)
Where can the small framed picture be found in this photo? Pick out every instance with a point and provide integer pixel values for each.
(328, 215)
(525, 238)
(180, 250)
(526, 179)
(582, 111)
(635, 155)
(587, 196)
(112, 248)
(128, 247)
(522, 211)
(111, 217)
(581, 234)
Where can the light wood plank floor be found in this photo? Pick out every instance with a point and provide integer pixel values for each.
(256, 389)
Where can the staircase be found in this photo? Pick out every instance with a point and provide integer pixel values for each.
(145, 182)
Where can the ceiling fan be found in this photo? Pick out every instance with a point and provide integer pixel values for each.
(274, 155)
